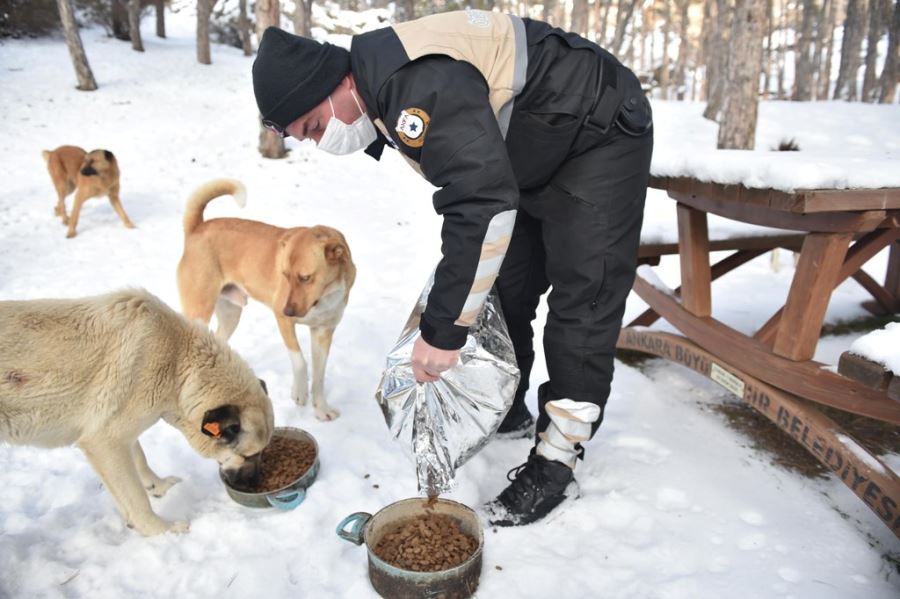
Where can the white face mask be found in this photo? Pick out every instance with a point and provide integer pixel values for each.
(341, 138)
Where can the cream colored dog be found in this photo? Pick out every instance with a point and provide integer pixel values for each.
(99, 371)
(304, 274)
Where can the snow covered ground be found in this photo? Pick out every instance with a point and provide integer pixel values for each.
(675, 505)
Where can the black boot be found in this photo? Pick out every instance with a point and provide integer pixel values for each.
(518, 423)
(538, 486)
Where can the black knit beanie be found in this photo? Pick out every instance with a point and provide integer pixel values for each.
(293, 74)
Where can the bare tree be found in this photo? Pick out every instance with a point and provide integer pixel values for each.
(803, 72)
(684, 46)
(854, 30)
(737, 131)
(160, 17)
(664, 67)
(268, 13)
(303, 17)
(579, 17)
(717, 76)
(826, 45)
(244, 28)
(770, 29)
(134, 25)
(623, 16)
(889, 76)
(878, 9)
(204, 10)
(119, 17)
(83, 71)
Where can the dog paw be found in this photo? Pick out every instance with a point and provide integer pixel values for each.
(327, 413)
(130, 225)
(159, 489)
(300, 395)
(179, 527)
(70, 234)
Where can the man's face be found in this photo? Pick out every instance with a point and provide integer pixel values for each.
(312, 124)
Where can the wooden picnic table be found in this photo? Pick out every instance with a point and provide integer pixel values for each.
(836, 233)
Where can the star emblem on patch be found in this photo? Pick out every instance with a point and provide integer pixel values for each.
(412, 125)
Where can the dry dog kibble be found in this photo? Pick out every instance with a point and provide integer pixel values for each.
(426, 543)
(283, 461)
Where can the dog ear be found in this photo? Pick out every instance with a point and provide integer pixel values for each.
(334, 251)
(263, 385)
(108, 154)
(222, 423)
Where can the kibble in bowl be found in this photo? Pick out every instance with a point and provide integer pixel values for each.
(288, 466)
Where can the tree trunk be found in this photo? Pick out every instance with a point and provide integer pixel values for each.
(160, 17)
(770, 29)
(717, 71)
(827, 48)
(244, 28)
(877, 24)
(579, 17)
(204, 10)
(803, 73)
(268, 13)
(134, 25)
(119, 17)
(604, 18)
(737, 130)
(782, 52)
(854, 31)
(303, 17)
(83, 72)
(406, 10)
(623, 17)
(889, 76)
(705, 55)
(664, 67)
(683, 48)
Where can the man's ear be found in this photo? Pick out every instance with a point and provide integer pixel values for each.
(222, 423)
(334, 251)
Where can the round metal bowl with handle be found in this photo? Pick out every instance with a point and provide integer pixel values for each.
(397, 583)
(289, 496)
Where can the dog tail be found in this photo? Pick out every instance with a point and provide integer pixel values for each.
(193, 212)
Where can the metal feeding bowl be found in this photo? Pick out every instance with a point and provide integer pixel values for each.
(393, 582)
(289, 496)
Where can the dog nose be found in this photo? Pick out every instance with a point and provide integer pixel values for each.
(289, 310)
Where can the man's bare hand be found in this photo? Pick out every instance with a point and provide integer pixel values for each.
(429, 362)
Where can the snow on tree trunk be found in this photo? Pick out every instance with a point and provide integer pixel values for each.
(83, 72)
(134, 25)
(204, 10)
(268, 13)
(737, 130)
(854, 31)
(889, 76)
(160, 17)
(803, 79)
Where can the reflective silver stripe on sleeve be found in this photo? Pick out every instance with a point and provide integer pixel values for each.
(493, 249)
(519, 72)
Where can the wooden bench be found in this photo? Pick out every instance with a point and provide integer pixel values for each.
(773, 369)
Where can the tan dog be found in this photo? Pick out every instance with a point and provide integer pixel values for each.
(303, 274)
(99, 371)
(89, 175)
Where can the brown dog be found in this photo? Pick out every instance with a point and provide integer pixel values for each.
(89, 175)
(304, 274)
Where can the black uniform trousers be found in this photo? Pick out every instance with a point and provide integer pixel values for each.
(578, 236)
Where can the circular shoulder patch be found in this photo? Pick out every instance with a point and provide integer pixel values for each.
(411, 126)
